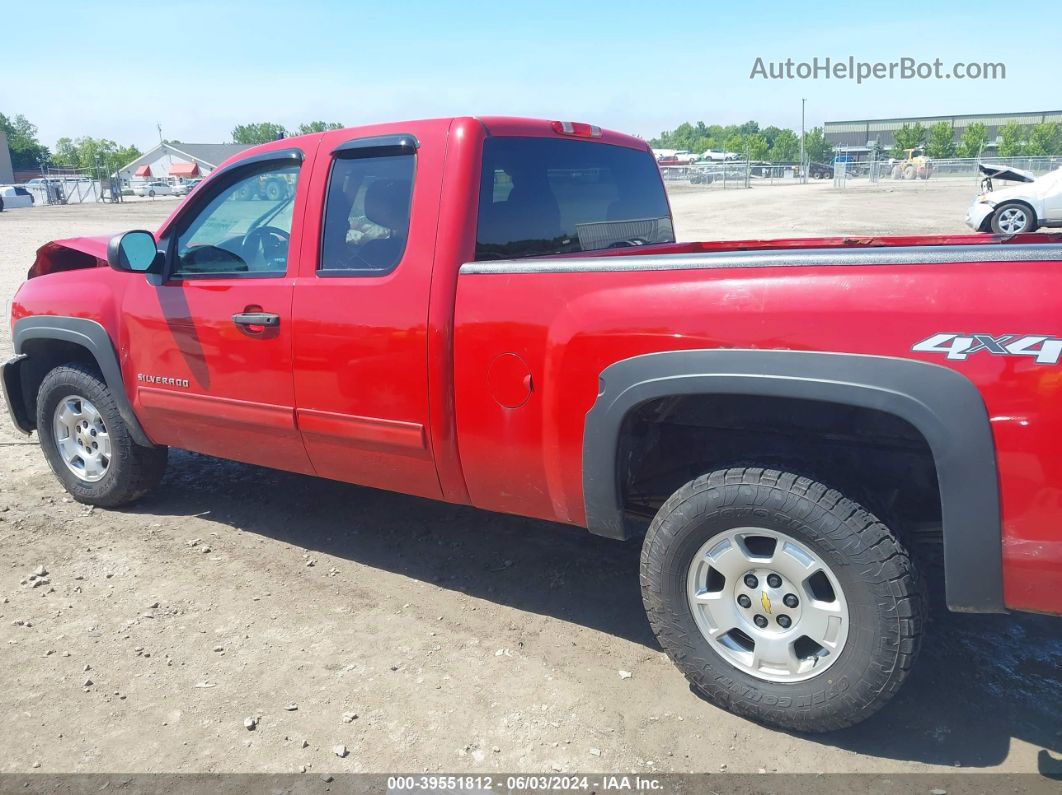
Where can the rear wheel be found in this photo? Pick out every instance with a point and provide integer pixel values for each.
(87, 443)
(780, 599)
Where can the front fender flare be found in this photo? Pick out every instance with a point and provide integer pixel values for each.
(943, 405)
(94, 338)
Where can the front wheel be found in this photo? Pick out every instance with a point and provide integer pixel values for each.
(780, 599)
(1013, 219)
(87, 443)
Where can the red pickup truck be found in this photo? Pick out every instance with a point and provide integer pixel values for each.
(493, 311)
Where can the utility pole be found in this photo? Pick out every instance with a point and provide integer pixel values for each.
(158, 126)
(803, 165)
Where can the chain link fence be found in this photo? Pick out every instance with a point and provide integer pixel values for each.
(740, 173)
(843, 173)
(73, 186)
(935, 171)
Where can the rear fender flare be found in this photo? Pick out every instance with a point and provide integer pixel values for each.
(943, 405)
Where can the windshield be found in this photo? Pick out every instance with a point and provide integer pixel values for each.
(546, 196)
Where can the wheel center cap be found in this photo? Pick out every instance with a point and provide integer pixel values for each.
(765, 600)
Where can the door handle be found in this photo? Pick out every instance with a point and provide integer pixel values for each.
(255, 319)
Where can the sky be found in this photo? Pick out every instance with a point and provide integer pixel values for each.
(116, 70)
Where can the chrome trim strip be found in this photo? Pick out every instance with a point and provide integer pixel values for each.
(782, 258)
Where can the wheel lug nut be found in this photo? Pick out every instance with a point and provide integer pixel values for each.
(790, 600)
(784, 622)
(774, 581)
(744, 601)
(751, 581)
(759, 621)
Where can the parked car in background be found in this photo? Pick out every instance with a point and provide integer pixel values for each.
(1034, 203)
(184, 188)
(153, 189)
(12, 196)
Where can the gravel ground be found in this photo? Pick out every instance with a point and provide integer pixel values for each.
(424, 636)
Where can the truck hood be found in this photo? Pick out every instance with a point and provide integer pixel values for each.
(70, 254)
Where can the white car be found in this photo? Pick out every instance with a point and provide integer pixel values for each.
(1026, 207)
(154, 189)
(184, 188)
(12, 196)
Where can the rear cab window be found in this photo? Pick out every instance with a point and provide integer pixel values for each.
(541, 196)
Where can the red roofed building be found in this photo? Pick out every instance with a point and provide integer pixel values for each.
(178, 162)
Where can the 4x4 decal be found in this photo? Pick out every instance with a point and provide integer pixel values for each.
(1043, 349)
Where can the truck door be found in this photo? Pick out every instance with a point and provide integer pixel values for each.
(209, 349)
(361, 309)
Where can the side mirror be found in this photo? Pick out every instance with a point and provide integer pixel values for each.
(134, 252)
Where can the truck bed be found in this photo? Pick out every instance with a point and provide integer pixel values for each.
(563, 320)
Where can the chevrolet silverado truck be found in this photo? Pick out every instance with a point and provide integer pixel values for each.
(803, 435)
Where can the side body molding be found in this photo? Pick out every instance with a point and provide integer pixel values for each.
(94, 338)
(940, 403)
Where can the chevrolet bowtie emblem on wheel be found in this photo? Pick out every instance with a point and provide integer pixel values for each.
(1043, 349)
(765, 600)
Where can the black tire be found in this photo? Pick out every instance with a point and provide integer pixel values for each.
(151, 194)
(133, 469)
(1030, 218)
(882, 590)
(274, 191)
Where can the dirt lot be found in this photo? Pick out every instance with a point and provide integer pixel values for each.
(461, 640)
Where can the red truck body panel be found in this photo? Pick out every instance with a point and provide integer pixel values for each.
(530, 461)
(474, 388)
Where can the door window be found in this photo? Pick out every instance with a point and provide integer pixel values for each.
(367, 215)
(243, 229)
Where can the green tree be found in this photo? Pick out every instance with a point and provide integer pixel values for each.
(1045, 139)
(734, 143)
(257, 132)
(26, 150)
(87, 152)
(973, 140)
(909, 137)
(941, 140)
(816, 147)
(785, 146)
(319, 126)
(756, 146)
(65, 154)
(1012, 141)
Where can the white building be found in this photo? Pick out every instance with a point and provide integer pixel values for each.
(178, 161)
